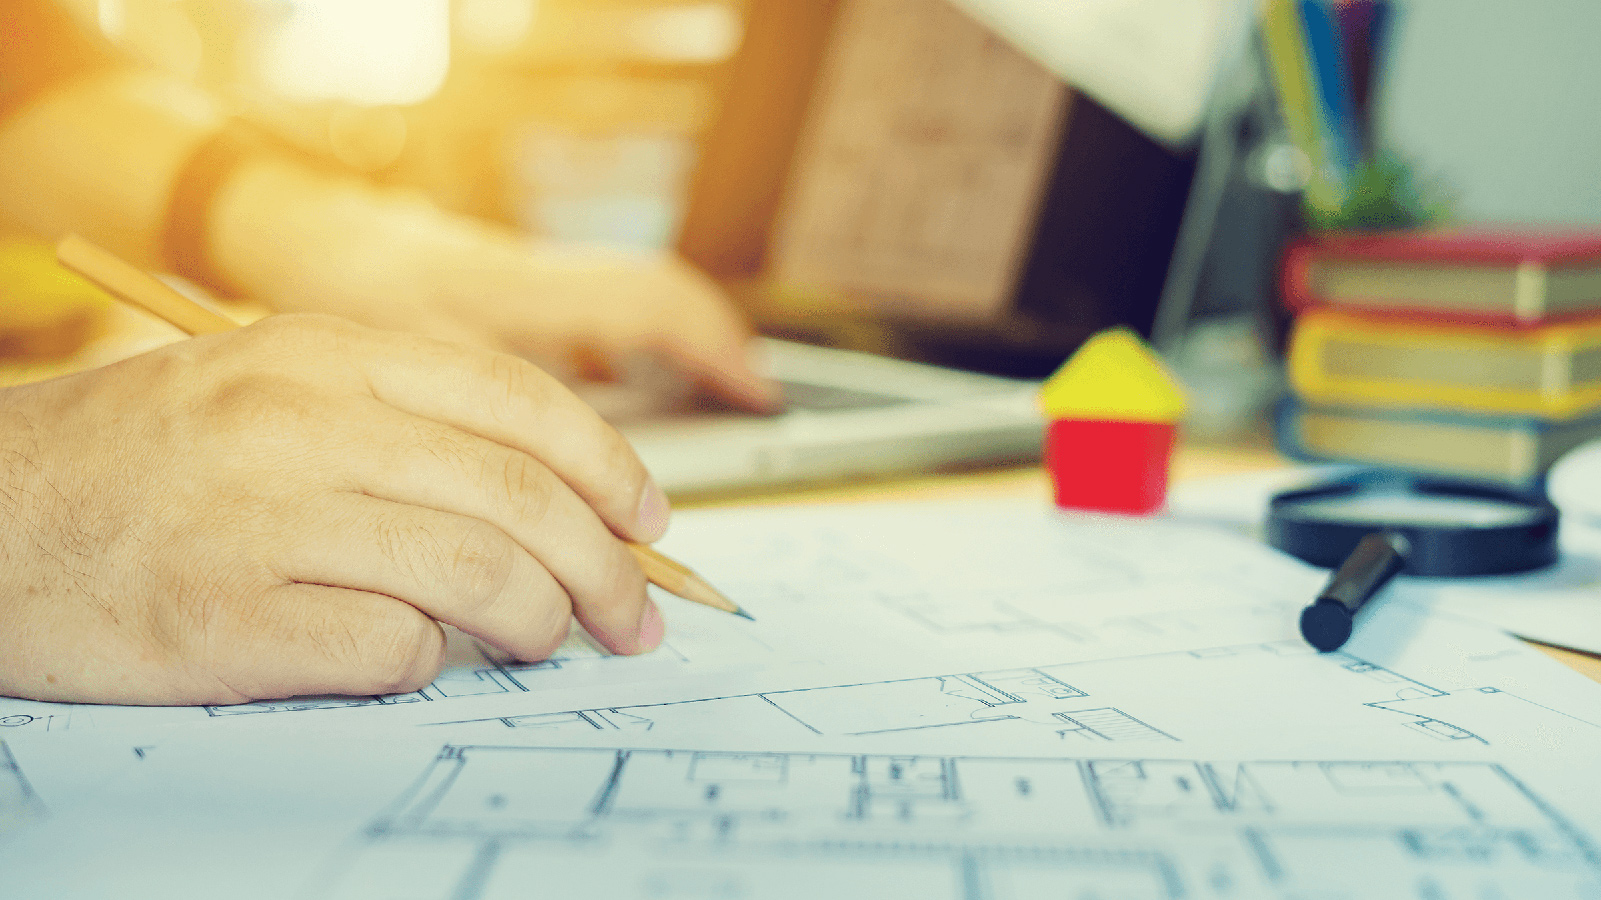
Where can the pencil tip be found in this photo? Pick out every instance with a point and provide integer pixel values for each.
(743, 614)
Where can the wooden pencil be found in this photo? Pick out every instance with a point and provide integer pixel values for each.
(138, 288)
(677, 579)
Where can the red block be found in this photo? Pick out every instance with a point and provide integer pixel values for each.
(1109, 466)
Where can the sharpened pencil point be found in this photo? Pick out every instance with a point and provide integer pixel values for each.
(679, 581)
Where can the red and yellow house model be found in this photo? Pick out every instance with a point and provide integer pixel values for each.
(1113, 409)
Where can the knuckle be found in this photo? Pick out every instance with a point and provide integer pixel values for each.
(403, 651)
(291, 337)
(625, 581)
(481, 565)
(622, 465)
(244, 394)
(547, 627)
(258, 401)
(528, 488)
(516, 387)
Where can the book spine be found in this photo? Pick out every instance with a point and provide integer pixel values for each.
(1425, 317)
(1295, 276)
(1555, 397)
(1520, 468)
(1302, 259)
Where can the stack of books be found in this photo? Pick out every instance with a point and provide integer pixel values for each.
(1471, 354)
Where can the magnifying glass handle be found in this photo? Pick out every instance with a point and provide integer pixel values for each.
(1326, 624)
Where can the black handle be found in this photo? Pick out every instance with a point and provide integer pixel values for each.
(1327, 623)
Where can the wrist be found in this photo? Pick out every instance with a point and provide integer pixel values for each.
(297, 238)
(275, 178)
(270, 221)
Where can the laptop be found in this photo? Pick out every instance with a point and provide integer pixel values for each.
(846, 415)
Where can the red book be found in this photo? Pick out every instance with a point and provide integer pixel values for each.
(1505, 277)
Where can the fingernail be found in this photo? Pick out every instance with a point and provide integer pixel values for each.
(654, 512)
(651, 627)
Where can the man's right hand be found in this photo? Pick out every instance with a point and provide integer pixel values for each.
(295, 507)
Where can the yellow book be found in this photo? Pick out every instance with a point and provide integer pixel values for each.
(1550, 372)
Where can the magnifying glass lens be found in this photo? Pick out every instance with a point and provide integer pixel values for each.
(1414, 510)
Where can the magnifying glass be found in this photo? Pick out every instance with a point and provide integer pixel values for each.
(1371, 528)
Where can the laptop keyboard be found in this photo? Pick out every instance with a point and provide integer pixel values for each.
(827, 398)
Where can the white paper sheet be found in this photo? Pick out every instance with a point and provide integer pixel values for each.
(1424, 711)
(899, 588)
(1443, 686)
(1407, 683)
(20, 804)
(728, 807)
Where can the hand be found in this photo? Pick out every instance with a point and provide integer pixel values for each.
(293, 508)
(301, 243)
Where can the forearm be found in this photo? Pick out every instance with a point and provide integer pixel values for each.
(99, 156)
(300, 238)
(133, 160)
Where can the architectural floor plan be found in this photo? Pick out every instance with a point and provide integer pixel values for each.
(1199, 697)
(484, 823)
(979, 702)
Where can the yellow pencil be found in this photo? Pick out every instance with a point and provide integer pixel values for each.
(139, 288)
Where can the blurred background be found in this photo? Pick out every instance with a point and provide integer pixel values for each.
(871, 173)
(897, 175)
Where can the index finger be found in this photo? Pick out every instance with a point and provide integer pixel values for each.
(510, 401)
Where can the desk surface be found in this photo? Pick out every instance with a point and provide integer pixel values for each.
(1189, 462)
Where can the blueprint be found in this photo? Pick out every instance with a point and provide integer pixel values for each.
(485, 821)
(956, 701)
(1211, 697)
(1448, 766)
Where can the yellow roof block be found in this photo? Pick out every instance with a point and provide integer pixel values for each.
(1113, 376)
